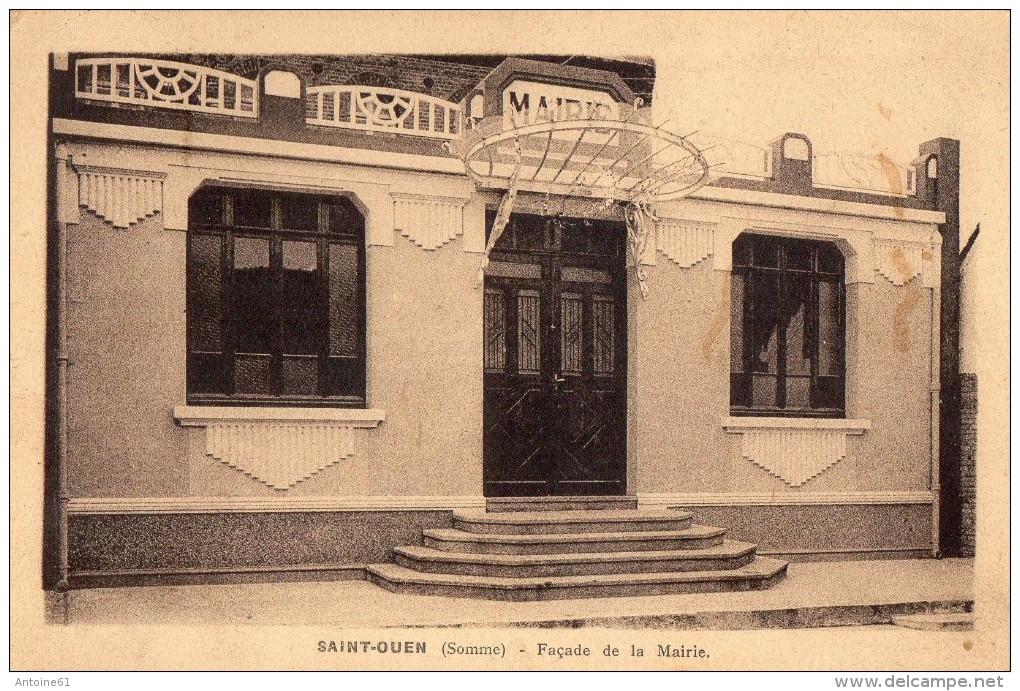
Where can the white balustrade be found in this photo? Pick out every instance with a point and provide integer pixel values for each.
(165, 84)
(378, 109)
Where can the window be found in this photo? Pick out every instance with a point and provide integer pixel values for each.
(787, 328)
(276, 299)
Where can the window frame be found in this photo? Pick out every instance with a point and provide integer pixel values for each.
(742, 383)
(327, 365)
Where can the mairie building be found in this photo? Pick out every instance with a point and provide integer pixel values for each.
(273, 351)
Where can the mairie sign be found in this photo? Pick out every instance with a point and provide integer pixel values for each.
(530, 103)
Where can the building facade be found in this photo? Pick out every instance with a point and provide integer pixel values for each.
(271, 353)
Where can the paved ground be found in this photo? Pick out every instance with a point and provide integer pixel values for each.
(811, 588)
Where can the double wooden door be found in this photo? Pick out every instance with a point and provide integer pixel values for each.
(555, 359)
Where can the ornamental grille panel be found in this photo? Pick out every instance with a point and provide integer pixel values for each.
(380, 109)
(165, 84)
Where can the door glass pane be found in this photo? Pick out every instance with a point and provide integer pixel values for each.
(513, 270)
(528, 319)
(571, 309)
(828, 329)
(300, 301)
(494, 327)
(204, 309)
(604, 331)
(577, 274)
(737, 323)
(798, 335)
(344, 304)
(252, 296)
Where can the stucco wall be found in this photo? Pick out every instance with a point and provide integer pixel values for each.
(679, 388)
(127, 342)
(127, 345)
(126, 321)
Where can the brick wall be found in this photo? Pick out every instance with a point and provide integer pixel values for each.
(449, 81)
(968, 454)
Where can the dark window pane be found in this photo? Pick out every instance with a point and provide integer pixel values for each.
(742, 250)
(740, 389)
(494, 329)
(829, 335)
(300, 376)
(798, 332)
(766, 251)
(830, 259)
(763, 393)
(799, 256)
(574, 236)
(528, 315)
(604, 331)
(528, 232)
(736, 323)
(251, 374)
(299, 213)
(252, 307)
(765, 322)
(252, 210)
(776, 291)
(829, 393)
(204, 306)
(570, 333)
(206, 373)
(605, 238)
(345, 219)
(345, 377)
(798, 392)
(300, 302)
(207, 209)
(344, 302)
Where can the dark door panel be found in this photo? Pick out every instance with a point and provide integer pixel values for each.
(555, 359)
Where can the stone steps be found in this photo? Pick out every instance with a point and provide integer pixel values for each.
(759, 574)
(453, 540)
(559, 522)
(570, 553)
(728, 555)
(595, 503)
(936, 621)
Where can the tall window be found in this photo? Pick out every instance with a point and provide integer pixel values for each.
(787, 328)
(276, 299)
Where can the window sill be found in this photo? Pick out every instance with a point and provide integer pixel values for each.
(750, 424)
(203, 416)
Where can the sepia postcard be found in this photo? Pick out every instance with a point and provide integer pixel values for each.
(510, 340)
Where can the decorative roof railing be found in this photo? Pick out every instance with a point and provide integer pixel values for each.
(860, 173)
(378, 109)
(165, 84)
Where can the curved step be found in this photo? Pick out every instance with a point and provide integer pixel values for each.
(553, 522)
(728, 555)
(759, 574)
(452, 540)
